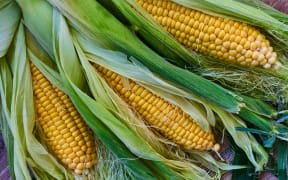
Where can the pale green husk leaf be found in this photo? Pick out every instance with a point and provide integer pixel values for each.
(267, 9)
(9, 18)
(246, 141)
(5, 94)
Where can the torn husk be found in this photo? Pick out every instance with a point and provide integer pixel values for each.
(118, 63)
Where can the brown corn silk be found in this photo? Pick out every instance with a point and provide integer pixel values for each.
(67, 136)
(218, 37)
(166, 118)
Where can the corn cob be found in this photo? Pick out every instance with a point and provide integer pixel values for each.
(165, 117)
(218, 37)
(67, 135)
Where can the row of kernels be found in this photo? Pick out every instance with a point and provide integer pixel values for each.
(57, 125)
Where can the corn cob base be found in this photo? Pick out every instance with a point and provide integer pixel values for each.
(163, 116)
(67, 136)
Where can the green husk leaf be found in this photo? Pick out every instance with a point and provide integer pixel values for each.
(6, 86)
(256, 120)
(253, 150)
(62, 39)
(14, 101)
(282, 118)
(8, 141)
(108, 30)
(5, 94)
(259, 107)
(212, 164)
(280, 16)
(265, 124)
(43, 33)
(9, 18)
(252, 131)
(269, 141)
(245, 173)
(282, 160)
(17, 59)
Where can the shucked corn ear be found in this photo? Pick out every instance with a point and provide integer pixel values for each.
(67, 136)
(165, 117)
(215, 36)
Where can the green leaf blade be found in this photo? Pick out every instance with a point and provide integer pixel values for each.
(282, 160)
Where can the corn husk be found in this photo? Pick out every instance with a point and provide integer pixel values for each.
(5, 93)
(19, 111)
(118, 62)
(252, 81)
(274, 8)
(9, 18)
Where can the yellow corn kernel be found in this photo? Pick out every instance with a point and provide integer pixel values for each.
(167, 118)
(57, 124)
(215, 31)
